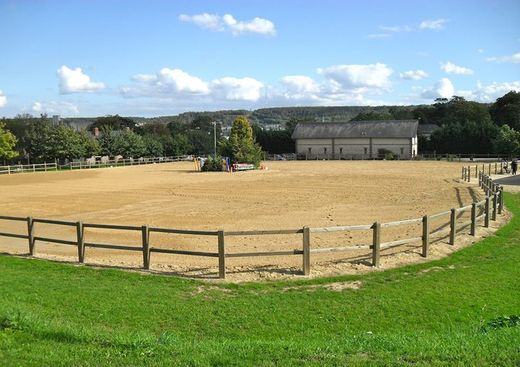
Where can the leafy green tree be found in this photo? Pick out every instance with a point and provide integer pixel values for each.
(506, 110)
(65, 143)
(177, 127)
(129, 144)
(201, 134)
(153, 146)
(91, 146)
(176, 145)
(37, 141)
(274, 141)
(112, 122)
(107, 141)
(7, 143)
(507, 141)
(241, 146)
(372, 116)
(466, 127)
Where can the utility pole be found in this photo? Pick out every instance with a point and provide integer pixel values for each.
(215, 139)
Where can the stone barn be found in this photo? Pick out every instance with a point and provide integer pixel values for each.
(356, 139)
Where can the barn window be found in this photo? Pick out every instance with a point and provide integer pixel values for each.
(310, 150)
(366, 150)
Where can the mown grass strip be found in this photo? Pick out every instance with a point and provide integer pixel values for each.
(436, 313)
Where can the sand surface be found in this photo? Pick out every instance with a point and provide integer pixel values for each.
(287, 195)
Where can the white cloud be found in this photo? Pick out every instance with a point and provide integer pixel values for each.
(205, 20)
(378, 35)
(237, 89)
(74, 80)
(397, 28)
(513, 59)
(300, 84)
(413, 75)
(490, 92)
(178, 84)
(480, 50)
(228, 23)
(352, 77)
(181, 81)
(442, 89)
(435, 24)
(167, 82)
(144, 77)
(55, 108)
(3, 99)
(451, 68)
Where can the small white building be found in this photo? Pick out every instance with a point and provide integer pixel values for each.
(357, 139)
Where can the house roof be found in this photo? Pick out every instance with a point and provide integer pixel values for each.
(357, 129)
(427, 129)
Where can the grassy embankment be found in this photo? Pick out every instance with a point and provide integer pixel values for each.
(445, 312)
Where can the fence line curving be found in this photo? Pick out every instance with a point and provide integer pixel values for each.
(481, 214)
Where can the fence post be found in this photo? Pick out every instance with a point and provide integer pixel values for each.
(30, 234)
(494, 216)
(463, 172)
(453, 225)
(376, 244)
(146, 247)
(501, 200)
(469, 173)
(81, 242)
(306, 251)
(479, 178)
(495, 168)
(8, 170)
(425, 236)
(221, 255)
(486, 212)
(476, 170)
(473, 230)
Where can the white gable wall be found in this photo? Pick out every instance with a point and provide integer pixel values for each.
(356, 148)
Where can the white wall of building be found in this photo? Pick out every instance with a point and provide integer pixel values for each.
(405, 148)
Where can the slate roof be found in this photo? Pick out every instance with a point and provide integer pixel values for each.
(357, 129)
(427, 129)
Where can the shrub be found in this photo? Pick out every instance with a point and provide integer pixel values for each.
(212, 164)
(387, 154)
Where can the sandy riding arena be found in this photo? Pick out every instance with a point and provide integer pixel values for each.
(287, 195)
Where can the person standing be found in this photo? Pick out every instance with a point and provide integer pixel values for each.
(514, 166)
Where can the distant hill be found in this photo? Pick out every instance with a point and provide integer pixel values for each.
(281, 115)
(263, 116)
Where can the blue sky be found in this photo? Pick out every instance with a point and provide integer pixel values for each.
(152, 58)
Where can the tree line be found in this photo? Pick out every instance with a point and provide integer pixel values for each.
(36, 140)
(465, 127)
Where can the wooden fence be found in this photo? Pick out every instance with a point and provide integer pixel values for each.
(21, 168)
(473, 171)
(88, 164)
(481, 214)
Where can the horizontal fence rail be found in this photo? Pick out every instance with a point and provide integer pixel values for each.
(481, 212)
(23, 168)
(90, 163)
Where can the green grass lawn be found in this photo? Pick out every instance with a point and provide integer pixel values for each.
(443, 313)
